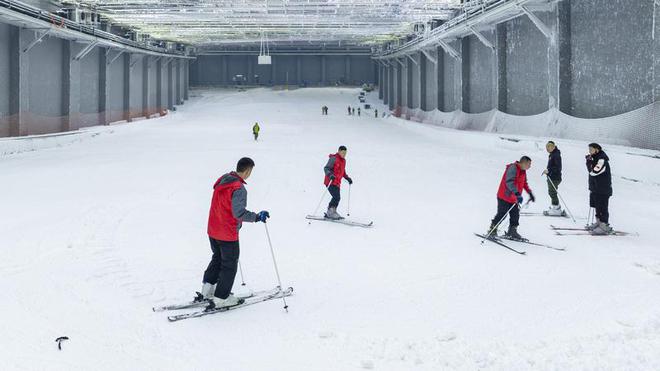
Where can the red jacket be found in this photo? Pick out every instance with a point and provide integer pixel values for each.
(513, 182)
(336, 165)
(228, 208)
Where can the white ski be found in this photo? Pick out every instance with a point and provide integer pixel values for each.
(341, 221)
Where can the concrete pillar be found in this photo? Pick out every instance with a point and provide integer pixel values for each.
(409, 83)
(299, 70)
(250, 72)
(170, 86)
(273, 70)
(381, 81)
(104, 87)
(19, 71)
(146, 66)
(177, 76)
(560, 60)
(440, 76)
(127, 60)
(224, 68)
(398, 92)
(323, 74)
(347, 69)
(70, 86)
(186, 77)
(422, 82)
(159, 85)
(465, 74)
(500, 93)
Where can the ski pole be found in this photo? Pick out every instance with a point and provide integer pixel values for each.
(348, 212)
(322, 197)
(277, 272)
(561, 198)
(240, 269)
(500, 222)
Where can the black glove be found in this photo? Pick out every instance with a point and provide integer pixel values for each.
(519, 198)
(332, 177)
(349, 180)
(531, 197)
(262, 216)
(588, 157)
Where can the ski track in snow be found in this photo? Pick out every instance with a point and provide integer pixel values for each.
(96, 232)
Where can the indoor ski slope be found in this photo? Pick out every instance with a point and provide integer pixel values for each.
(95, 232)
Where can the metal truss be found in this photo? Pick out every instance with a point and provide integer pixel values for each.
(226, 22)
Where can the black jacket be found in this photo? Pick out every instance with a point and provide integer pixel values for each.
(600, 175)
(554, 165)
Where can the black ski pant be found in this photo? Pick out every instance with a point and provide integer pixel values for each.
(223, 266)
(502, 208)
(256, 135)
(553, 186)
(600, 202)
(336, 196)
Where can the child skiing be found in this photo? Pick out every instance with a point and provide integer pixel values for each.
(335, 171)
(228, 211)
(255, 130)
(509, 197)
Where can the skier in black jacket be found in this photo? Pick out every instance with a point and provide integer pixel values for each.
(553, 173)
(600, 187)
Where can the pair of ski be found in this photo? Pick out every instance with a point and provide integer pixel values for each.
(203, 309)
(545, 213)
(568, 231)
(344, 221)
(499, 241)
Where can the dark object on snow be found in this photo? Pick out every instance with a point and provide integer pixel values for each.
(510, 139)
(59, 341)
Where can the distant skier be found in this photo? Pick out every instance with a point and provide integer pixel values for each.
(509, 196)
(376, 113)
(353, 111)
(553, 172)
(324, 110)
(383, 114)
(335, 171)
(600, 187)
(358, 111)
(228, 211)
(255, 130)
(349, 110)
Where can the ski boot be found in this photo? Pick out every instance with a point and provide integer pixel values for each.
(230, 301)
(554, 210)
(333, 214)
(206, 294)
(603, 229)
(513, 234)
(492, 231)
(592, 226)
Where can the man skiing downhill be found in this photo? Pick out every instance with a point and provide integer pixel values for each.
(600, 187)
(335, 171)
(255, 130)
(228, 211)
(553, 173)
(509, 196)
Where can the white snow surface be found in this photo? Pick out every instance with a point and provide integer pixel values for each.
(95, 233)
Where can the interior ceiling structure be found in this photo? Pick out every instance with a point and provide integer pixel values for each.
(231, 22)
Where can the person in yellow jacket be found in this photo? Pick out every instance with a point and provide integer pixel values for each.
(255, 130)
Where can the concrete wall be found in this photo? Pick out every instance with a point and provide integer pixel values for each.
(4, 80)
(597, 60)
(611, 59)
(526, 73)
(308, 70)
(45, 89)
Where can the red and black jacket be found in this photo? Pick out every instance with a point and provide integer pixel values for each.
(228, 208)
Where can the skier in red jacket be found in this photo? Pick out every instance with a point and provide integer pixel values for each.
(509, 194)
(335, 170)
(228, 211)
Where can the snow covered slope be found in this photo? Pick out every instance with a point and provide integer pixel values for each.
(93, 234)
